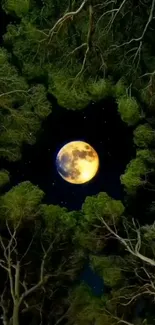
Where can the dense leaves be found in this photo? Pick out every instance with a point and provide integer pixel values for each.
(95, 51)
(21, 202)
(23, 107)
(129, 110)
(4, 177)
(144, 136)
(109, 267)
(77, 52)
(102, 205)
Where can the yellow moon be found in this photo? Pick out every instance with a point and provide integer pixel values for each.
(77, 162)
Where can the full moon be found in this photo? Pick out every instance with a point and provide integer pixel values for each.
(77, 162)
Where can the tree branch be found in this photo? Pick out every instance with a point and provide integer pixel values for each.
(66, 16)
(144, 31)
(4, 307)
(43, 279)
(115, 15)
(135, 252)
(17, 280)
(33, 289)
(16, 91)
(88, 41)
(7, 255)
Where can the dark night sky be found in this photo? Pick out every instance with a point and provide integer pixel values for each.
(100, 126)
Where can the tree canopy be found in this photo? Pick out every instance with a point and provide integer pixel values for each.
(77, 52)
(95, 51)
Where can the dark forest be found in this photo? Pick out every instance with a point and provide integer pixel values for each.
(77, 70)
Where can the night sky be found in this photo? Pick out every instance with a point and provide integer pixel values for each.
(100, 126)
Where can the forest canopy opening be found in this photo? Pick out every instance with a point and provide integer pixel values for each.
(78, 52)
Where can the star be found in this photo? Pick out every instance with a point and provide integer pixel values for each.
(84, 117)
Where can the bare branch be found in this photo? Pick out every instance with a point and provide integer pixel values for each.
(124, 322)
(44, 258)
(8, 264)
(134, 297)
(29, 246)
(135, 252)
(3, 266)
(148, 74)
(77, 48)
(33, 289)
(88, 41)
(118, 319)
(17, 280)
(66, 16)
(4, 307)
(105, 13)
(43, 278)
(28, 308)
(144, 31)
(13, 92)
(115, 15)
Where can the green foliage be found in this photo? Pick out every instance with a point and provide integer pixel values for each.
(132, 178)
(70, 94)
(137, 169)
(17, 7)
(109, 268)
(144, 135)
(85, 308)
(120, 89)
(23, 105)
(34, 72)
(9, 78)
(129, 110)
(110, 52)
(88, 239)
(21, 202)
(100, 89)
(24, 40)
(22, 109)
(147, 156)
(102, 205)
(149, 232)
(58, 220)
(38, 102)
(4, 177)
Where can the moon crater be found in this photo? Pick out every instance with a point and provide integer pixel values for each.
(77, 162)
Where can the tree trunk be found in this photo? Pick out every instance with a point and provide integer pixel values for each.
(15, 318)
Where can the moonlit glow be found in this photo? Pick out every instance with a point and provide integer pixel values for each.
(77, 162)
